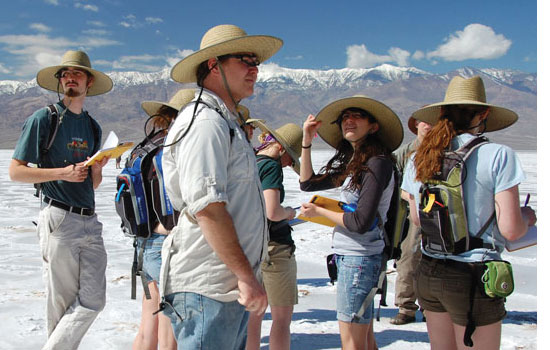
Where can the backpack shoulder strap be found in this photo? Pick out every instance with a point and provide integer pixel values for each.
(54, 126)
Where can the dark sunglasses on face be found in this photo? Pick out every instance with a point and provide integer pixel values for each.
(249, 60)
(65, 74)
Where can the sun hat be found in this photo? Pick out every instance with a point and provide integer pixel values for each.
(390, 130)
(289, 136)
(471, 91)
(245, 113)
(222, 40)
(180, 99)
(77, 59)
(412, 125)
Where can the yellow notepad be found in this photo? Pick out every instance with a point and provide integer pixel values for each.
(111, 148)
(327, 203)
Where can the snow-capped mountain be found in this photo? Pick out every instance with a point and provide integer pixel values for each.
(287, 95)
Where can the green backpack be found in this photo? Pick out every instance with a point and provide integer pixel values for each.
(442, 213)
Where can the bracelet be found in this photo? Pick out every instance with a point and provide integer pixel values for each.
(307, 146)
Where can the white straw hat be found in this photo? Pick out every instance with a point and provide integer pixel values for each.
(289, 136)
(390, 130)
(180, 99)
(78, 59)
(462, 91)
(222, 40)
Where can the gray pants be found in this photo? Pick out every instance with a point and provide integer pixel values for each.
(74, 262)
(405, 297)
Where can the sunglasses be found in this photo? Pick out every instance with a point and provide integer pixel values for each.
(65, 74)
(248, 59)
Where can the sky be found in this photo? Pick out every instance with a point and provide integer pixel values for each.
(147, 36)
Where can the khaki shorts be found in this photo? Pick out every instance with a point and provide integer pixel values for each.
(279, 275)
(444, 287)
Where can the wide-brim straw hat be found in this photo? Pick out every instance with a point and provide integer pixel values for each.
(471, 91)
(245, 113)
(289, 136)
(180, 99)
(412, 125)
(222, 40)
(390, 130)
(76, 59)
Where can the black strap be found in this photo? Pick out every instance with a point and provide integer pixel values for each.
(137, 270)
(471, 326)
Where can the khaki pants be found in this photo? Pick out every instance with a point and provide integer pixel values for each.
(405, 297)
(74, 262)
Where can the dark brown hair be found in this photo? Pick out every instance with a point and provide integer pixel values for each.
(164, 117)
(454, 120)
(347, 162)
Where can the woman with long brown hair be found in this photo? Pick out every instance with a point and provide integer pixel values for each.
(453, 304)
(364, 132)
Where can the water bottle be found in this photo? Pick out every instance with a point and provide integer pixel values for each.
(351, 207)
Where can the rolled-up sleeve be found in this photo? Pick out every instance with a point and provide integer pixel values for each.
(202, 158)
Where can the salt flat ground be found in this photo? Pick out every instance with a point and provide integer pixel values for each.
(314, 325)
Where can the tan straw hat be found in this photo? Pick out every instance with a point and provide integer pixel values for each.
(289, 136)
(180, 99)
(390, 130)
(462, 91)
(412, 125)
(245, 113)
(222, 40)
(77, 59)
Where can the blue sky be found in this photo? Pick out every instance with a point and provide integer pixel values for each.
(437, 36)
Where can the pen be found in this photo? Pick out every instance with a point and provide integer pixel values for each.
(527, 199)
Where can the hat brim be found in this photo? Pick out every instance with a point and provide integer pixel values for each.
(263, 46)
(259, 123)
(390, 130)
(152, 107)
(499, 117)
(46, 79)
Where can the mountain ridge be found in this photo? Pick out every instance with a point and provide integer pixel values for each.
(285, 95)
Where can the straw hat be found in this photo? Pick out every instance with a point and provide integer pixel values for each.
(390, 130)
(77, 59)
(462, 91)
(180, 99)
(412, 125)
(245, 113)
(222, 40)
(289, 136)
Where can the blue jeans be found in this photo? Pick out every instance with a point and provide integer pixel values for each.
(206, 324)
(151, 256)
(357, 275)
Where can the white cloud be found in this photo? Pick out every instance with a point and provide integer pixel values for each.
(40, 27)
(125, 24)
(179, 55)
(360, 57)
(142, 63)
(130, 21)
(95, 32)
(476, 41)
(87, 7)
(52, 2)
(294, 58)
(418, 55)
(96, 23)
(33, 52)
(153, 20)
(3, 69)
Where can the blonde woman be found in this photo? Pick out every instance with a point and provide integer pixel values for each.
(278, 149)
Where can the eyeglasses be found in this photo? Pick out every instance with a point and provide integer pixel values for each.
(349, 114)
(68, 73)
(249, 60)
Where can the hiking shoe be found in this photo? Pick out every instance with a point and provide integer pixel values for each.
(401, 319)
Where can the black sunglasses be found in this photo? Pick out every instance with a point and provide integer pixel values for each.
(249, 60)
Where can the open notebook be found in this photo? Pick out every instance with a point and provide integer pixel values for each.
(111, 148)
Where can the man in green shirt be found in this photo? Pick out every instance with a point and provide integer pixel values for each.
(73, 254)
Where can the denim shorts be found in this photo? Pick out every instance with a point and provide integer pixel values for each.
(357, 276)
(203, 323)
(152, 256)
(445, 287)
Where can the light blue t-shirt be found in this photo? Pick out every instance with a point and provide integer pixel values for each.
(491, 168)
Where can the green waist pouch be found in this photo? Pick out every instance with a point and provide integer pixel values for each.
(498, 279)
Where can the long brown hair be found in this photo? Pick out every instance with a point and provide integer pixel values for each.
(347, 162)
(454, 120)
